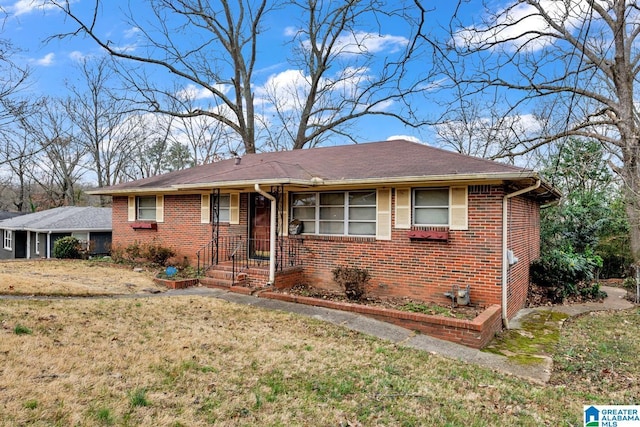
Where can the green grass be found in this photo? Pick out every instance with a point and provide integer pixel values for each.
(138, 397)
(22, 330)
(105, 417)
(31, 404)
(196, 361)
(599, 352)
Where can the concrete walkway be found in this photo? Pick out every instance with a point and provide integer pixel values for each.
(537, 373)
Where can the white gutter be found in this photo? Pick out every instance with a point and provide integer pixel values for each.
(435, 179)
(272, 234)
(505, 261)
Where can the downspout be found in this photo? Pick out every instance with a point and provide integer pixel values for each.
(505, 261)
(272, 234)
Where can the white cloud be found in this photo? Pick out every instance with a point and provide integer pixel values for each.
(126, 48)
(132, 32)
(384, 105)
(290, 31)
(521, 24)
(406, 137)
(23, 7)
(364, 42)
(193, 92)
(46, 60)
(77, 56)
(287, 88)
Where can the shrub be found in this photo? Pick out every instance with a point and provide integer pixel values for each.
(352, 280)
(157, 253)
(67, 247)
(151, 252)
(563, 271)
(592, 291)
(133, 251)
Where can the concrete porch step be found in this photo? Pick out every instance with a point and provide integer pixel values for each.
(210, 282)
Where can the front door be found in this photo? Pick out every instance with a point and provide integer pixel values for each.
(21, 244)
(260, 226)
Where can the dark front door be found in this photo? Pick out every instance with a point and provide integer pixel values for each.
(260, 219)
(21, 244)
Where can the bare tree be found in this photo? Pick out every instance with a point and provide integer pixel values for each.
(151, 145)
(14, 109)
(13, 78)
(60, 166)
(480, 131)
(17, 158)
(206, 138)
(333, 49)
(345, 68)
(104, 122)
(220, 60)
(575, 64)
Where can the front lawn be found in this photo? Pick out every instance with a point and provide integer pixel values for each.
(77, 278)
(200, 361)
(196, 361)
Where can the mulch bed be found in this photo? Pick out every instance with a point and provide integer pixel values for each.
(397, 303)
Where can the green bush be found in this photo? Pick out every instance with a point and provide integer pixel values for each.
(67, 247)
(564, 271)
(352, 280)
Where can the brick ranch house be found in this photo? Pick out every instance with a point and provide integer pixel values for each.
(423, 221)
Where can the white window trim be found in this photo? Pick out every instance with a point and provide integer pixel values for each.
(225, 208)
(133, 212)
(345, 219)
(458, 213)
(7, 240)
(414, 207)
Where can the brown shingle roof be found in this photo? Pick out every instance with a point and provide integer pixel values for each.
(392, 161)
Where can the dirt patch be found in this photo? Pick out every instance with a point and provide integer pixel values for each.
(469, 312)
(72, 278)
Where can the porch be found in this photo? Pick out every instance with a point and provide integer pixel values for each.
(237, 261)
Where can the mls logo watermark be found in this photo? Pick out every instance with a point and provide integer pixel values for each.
(612, 415)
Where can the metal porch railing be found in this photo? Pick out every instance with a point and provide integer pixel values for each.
(245, 253)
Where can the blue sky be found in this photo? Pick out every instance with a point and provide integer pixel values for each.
(29, 24)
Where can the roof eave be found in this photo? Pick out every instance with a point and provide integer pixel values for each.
(199, 186)
(315, 182)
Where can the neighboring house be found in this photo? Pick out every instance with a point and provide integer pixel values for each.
(6, 215)
(33, 235)
(423, 221)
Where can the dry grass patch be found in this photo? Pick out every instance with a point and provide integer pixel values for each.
(67, 277)
(196, 361)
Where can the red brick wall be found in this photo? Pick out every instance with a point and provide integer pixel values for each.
(419, 269)
(524, 240)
